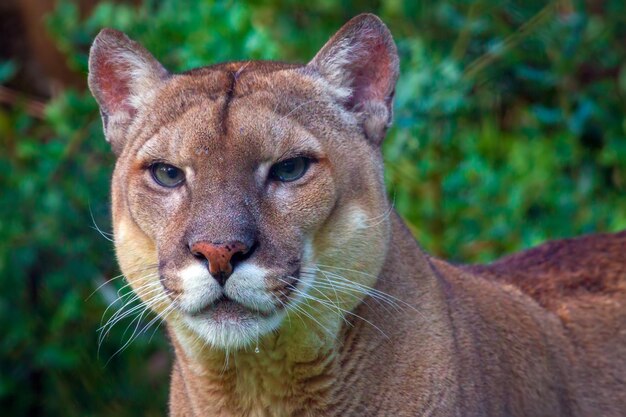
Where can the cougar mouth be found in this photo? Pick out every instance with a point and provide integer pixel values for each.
(252, 303)
(231, 307)
(225, 308)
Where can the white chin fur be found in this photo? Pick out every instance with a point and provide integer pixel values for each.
(232, 332)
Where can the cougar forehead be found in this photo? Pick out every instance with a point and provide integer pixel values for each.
(224, 102)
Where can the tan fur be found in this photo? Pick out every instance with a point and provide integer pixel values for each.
(542, 333)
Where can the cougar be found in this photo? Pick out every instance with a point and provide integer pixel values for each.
(250, 214)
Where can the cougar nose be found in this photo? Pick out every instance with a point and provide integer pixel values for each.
(220, 257)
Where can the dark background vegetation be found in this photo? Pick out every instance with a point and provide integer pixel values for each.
(509, 130)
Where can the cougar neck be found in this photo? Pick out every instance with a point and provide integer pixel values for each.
(301, 369)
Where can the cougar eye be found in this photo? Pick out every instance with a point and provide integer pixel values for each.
(290, 169)
(167, 175)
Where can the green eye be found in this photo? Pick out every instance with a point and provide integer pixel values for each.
(167, 175)
(290, 169)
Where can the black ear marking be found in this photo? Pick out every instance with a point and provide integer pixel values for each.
(105, 120)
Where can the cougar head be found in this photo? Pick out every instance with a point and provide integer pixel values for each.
(246, 190)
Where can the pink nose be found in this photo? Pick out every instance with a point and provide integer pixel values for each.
(219, 257)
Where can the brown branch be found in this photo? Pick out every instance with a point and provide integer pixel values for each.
(32, 106)
(482, 62)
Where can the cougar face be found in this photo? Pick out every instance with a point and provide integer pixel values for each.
(244, 191)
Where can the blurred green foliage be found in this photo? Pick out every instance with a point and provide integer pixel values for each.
(509, 130)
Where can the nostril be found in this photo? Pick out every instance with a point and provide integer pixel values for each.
(244, 254)
(198, 255)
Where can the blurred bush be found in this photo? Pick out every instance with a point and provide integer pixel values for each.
(509, 130)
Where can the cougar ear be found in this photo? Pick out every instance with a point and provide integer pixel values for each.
(122, 75)
(361, 63)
